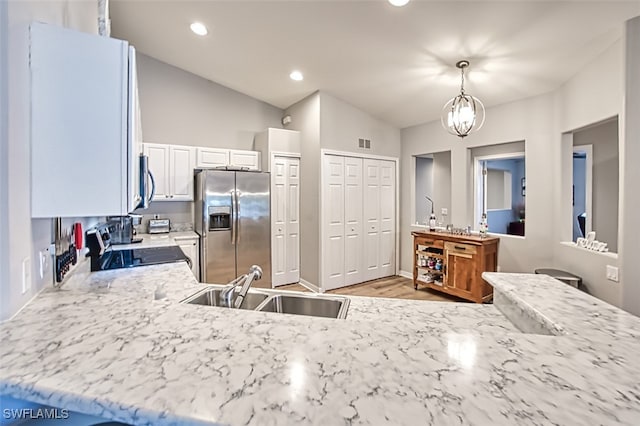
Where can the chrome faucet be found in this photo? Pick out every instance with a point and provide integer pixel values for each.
(227, 293)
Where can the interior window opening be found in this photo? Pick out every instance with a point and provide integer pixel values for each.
(433, 188)
(500, 188)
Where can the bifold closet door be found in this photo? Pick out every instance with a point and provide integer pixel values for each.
(379, 218)
(371, 219)
(285, 213)
(333, 253)
(387, 241)
(353, 240)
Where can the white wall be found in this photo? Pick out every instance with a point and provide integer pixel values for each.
(4, 142)
(529, 120)
(629, 243)
(26, 237)
(442, 184)
(183, 109)
(305, 118)
(591, 96)
(341, 125)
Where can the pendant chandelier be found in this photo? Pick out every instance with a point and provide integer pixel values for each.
(463, 114)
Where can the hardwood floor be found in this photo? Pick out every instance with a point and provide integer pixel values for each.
(395, 287)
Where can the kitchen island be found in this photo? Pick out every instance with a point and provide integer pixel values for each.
(119, 345)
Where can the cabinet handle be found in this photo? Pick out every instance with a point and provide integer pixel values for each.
(459, 248)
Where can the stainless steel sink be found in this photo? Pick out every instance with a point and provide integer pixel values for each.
(316, 306)
(278, 302)
(211, 297)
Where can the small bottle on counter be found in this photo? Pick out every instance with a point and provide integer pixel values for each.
(484, 226)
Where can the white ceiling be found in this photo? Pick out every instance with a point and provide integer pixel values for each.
(397, 64)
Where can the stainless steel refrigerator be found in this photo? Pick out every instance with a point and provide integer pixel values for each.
(232, 215)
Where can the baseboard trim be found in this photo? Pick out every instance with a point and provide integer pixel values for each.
(406, 274)
(310, 286)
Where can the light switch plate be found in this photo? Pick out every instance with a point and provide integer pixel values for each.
(444, 211)
(612, 273)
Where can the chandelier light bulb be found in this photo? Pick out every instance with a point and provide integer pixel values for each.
(398, 3)
(463, 114)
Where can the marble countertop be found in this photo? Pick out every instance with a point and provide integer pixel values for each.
(109, 344)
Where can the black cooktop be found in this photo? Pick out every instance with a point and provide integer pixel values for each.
(116, 259)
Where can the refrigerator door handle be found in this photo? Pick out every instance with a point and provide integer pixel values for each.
(234, 217)
(237, 217)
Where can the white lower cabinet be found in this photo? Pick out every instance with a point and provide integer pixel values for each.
(358, 204)
(285, 220)
(190, 247)
(172, 168)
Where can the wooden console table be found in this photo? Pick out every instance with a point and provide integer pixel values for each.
(454, 264)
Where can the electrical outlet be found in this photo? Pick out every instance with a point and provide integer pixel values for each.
(444, 211)
(26, 275)
(612, 273)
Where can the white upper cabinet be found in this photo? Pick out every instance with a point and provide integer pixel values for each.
(219, 157)
(172, 168)
(245, 159)
(212, 157)
(83, 154)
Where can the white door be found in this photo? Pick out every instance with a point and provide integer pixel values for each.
(278, 221)
(285, 220)
(159, 165)
(387, 241)
(353, 220)
(181, 165)
(333, 208)
(293, 220)
(371, 219)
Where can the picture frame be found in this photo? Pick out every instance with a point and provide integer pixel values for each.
(523, 184)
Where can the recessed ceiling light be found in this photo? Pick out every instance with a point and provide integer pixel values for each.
(398, 3)
(296, 75)
(199, 28)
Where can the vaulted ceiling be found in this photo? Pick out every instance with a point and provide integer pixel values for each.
(397, 64)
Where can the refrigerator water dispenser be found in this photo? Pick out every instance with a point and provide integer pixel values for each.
(219, 218)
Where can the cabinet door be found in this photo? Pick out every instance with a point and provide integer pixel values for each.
(212, 157)
(387, 241)
(190, 249)
(159, 166)
(461, 270)
(372, 219)
(78, 118)
(181, 165)
(333, 238)
(353, 220)
(248, 159)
